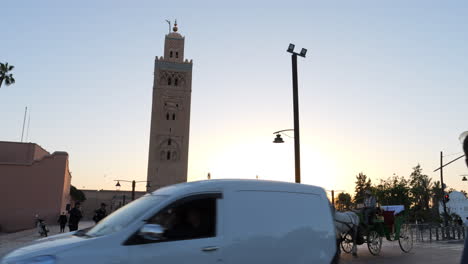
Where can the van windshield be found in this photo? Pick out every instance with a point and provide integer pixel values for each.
(125, 215)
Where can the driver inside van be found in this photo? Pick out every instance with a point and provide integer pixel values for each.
(183, 224)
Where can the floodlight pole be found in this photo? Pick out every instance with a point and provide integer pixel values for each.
(297, 145)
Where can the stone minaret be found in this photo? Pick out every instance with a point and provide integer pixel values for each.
(170, 115)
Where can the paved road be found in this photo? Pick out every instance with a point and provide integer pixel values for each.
(427, 253)
(11, 241)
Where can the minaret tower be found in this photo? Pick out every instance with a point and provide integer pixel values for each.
(170, 115)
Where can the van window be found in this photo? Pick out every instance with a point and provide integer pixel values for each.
(193, 219)
(125, 215)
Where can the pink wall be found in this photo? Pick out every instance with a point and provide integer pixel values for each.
(17, 152)
(42, 187)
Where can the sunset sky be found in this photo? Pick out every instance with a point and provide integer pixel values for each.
(383, 86)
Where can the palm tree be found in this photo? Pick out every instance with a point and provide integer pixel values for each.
(5, 74)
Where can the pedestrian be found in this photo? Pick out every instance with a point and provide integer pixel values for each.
(75, 217)
(62, 221)
(100, 213)
(464, 139)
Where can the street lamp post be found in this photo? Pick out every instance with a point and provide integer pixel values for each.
(133, 186)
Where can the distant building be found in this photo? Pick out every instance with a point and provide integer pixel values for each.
(170, 116)
(457, 204)
(113, 199)
(33, 181)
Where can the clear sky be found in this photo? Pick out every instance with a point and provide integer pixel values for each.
(383, 87)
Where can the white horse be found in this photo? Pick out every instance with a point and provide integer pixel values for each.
(345, 222)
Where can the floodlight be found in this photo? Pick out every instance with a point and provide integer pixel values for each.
(291, 48)
(303, 52)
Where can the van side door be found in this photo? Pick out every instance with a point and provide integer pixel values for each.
(192, 233)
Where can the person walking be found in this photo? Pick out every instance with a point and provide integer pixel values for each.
(75, 217)
(100, 213)
(62, 221)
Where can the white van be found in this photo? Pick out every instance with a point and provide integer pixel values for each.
(206, 222)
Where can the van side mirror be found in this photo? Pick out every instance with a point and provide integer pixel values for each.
(152, 232)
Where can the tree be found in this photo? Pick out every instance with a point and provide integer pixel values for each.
(77, 195)
(5, 74)
(362, 184)
(437, 196)
(393, 191)
(420, 187)
(343, 201)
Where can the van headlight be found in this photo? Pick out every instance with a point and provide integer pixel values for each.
(37, 260)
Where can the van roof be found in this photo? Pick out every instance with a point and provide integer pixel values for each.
(237, 184)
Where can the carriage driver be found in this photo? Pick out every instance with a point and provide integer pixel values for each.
(369, 206)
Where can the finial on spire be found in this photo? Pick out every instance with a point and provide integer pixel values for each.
(175, 26)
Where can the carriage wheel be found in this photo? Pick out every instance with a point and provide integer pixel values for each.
(374, 242)
(347, 242)
(406, 238)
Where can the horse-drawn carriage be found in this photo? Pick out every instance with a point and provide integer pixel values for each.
(390, 223)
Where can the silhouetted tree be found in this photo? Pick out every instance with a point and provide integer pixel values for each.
(343, 202)
(362, 183)
(5, 75)
(420, 187)
(77, 195)
(393, 191)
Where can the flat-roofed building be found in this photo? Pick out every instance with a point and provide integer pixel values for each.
(32, 181)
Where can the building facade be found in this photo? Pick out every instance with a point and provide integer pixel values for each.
(170, 115)
(458, 204)
(33, 181)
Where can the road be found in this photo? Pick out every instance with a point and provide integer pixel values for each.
(11, 241)
(427, 253)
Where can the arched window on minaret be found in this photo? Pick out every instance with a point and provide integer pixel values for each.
(170, 54)
(167, 116)
(169, 81)
(169, 141)
(168, 155)
(173, 116)
(176, 81)
(177, 54)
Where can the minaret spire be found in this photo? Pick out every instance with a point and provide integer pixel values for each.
(175, 26)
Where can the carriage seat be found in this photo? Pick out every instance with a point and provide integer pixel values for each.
(389, 219)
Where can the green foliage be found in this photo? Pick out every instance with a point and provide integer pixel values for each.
(362, 184)
(5, 75)
(343, 202)
(393, 191)
(77, 195)
(437, 196)
(420, 187)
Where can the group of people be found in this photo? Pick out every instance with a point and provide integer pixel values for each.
(75, 216)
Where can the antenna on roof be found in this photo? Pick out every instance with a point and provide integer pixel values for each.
(29, 121)
(24, 120)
